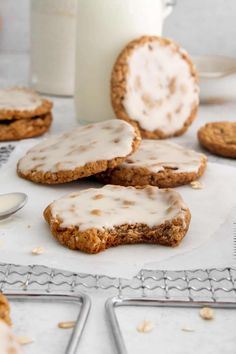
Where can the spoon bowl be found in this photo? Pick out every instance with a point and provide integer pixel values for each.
(10, 203)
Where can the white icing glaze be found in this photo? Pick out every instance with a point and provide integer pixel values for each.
(157, 154)
(8, 343)
(115, 205)
(95, 142)
(161, 91)
(19, 99)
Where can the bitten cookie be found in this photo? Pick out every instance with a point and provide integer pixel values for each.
(82, 152)
(219, 138)
(157, 163)
(23, 114)
(93, 220)
(154, 85)
(8, 342)
(4, 310)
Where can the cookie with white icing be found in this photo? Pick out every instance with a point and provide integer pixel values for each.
(154, 86)
(20, 102)
(23, 114)
(158, 163)
(93, 220)
(8, 342)
(82, 152)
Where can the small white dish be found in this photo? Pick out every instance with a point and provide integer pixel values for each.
(217, 76)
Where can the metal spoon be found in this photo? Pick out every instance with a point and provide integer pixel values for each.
(10, 203)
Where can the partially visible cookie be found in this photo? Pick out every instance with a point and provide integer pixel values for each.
(219, 138)
(82, 152)
(19, 102)
(154, 86)
(4, 310)
(8, 342)
(17, 129)
(93, 220)
(23, 114)
(157, 163)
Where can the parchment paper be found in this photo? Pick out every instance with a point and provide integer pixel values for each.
(210, 208)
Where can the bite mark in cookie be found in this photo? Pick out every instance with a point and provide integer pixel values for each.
(118, 218)
(154, 85)
(158, 163)
(79, 153)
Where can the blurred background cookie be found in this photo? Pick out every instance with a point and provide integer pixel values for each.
(154, 85)
(23, 114)
(219, 138)
(158, 163)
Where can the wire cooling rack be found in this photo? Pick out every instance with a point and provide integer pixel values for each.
(193, 285)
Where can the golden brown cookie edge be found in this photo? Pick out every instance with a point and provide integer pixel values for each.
(25, 128)
(137, 176)
(4, 310)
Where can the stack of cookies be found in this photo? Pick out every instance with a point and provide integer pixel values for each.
(8, 342)
(112, 151)
(23, 114)
(154, 95)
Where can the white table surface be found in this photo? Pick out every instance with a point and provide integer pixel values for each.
(14, 70)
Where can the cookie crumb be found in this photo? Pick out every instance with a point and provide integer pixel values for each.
(23, 340)
(145, 327)
(196, 185)
(186, 329)
(66, 325)
(37, 251)
(207, 313)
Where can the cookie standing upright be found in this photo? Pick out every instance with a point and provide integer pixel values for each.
(79, 153)
(154, 85)
(159, 163)
(219, 138)
(23, 114)
(95, 219)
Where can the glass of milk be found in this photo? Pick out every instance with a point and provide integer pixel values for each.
(104, 27)
(53, 31)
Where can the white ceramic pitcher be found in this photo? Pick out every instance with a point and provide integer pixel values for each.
(104, 27)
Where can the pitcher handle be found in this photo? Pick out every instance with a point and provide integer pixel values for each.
(168, 6)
